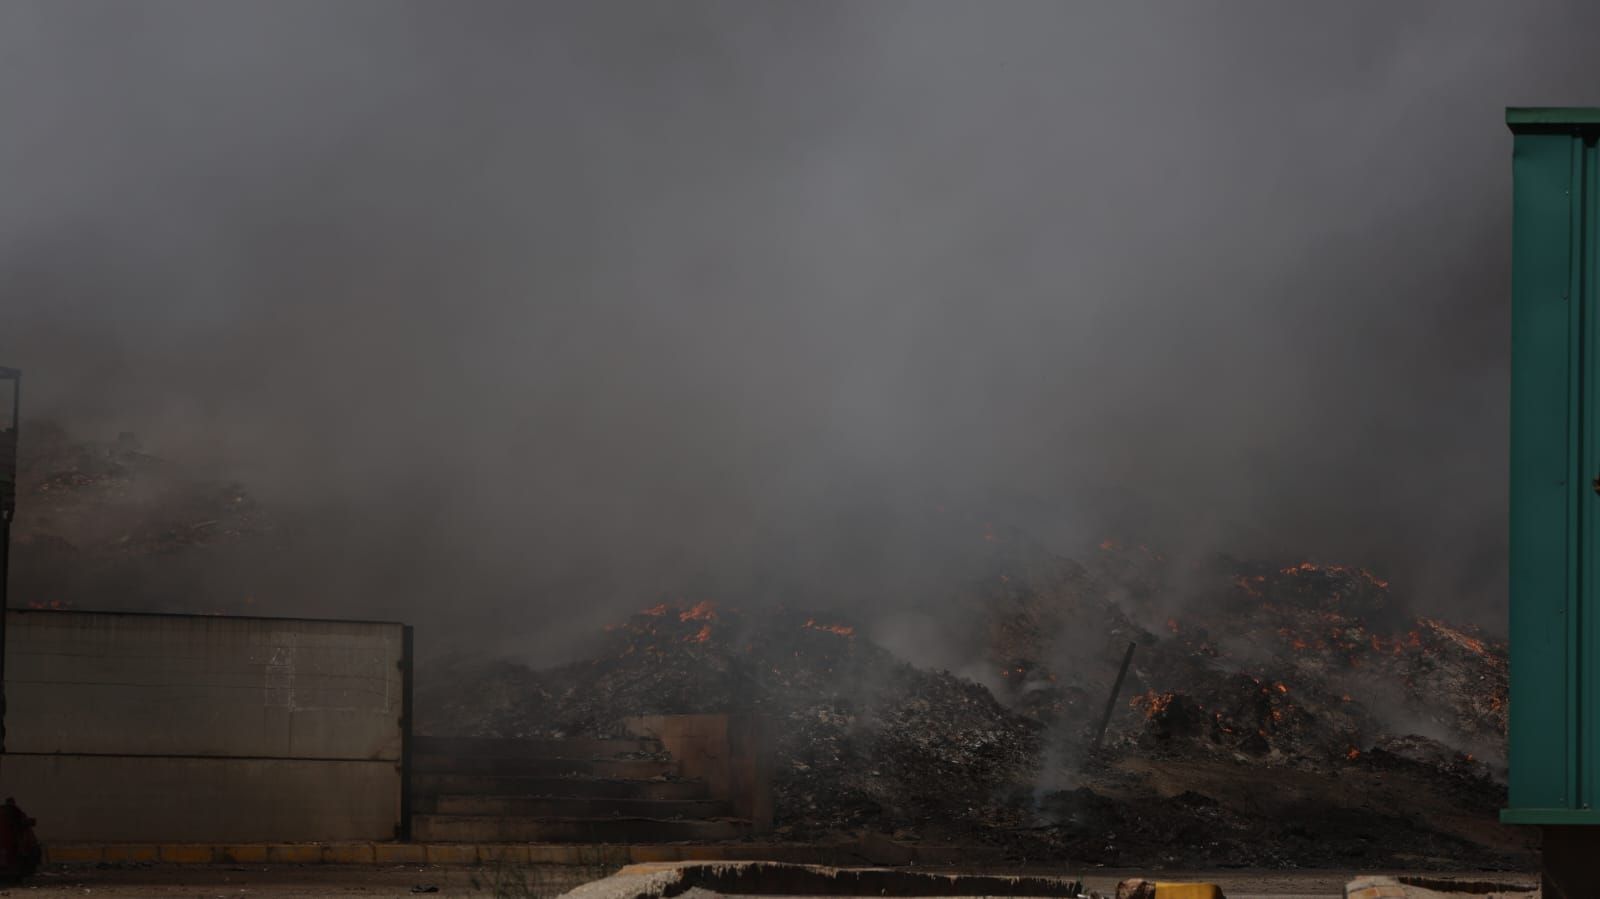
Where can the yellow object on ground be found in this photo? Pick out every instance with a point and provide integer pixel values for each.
(1187, 891)
(1139, 888)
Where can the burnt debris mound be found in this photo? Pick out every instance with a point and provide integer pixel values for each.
(864, 740)
(1275, 715)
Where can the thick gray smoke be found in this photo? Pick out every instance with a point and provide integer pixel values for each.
(541, 309)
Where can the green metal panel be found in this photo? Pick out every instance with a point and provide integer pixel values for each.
(1555, 461)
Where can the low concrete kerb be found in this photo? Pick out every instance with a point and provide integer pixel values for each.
(464, 854)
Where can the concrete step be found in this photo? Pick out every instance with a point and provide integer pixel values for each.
(628, 769)
(573, 807)
(480, 828)
(504, 747)
(427, 785)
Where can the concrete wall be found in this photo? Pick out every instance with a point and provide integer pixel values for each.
(176, 727)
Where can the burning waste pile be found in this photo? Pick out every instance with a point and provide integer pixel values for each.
(1309, 664)
(1284, 715)
(865, 741)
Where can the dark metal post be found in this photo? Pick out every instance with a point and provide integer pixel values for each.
(10, 421)
(407, 664)
(1116, 688)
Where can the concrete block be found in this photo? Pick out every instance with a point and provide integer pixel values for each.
(112, 799)
(400, 853)
(245, 854)
(452, 853)
(294, 853)
(348, 854)
(69, 854)
(188, 853)
(115, 853)
(107, 683)
(732, 754)
(577, 854)
(289, 730)
(504, 854)
(644, 854)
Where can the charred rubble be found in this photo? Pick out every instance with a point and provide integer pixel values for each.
(864, 740)
(1284, 715)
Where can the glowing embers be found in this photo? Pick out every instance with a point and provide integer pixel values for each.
(1338, 571)
(1152, 703)
(1455, 635)
(840, 629)
(704, 610)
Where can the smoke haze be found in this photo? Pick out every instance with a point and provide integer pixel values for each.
(550, 308)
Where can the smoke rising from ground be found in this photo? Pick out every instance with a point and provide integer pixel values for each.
(545, 309)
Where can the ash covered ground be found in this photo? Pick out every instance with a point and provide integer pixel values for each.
(1288, 713)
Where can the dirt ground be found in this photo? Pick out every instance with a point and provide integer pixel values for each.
(291, 882)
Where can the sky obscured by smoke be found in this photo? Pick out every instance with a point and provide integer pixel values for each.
(551, 307)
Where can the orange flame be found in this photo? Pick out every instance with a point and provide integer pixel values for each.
(840, 629)
(1151, 703)
(655, 611)
(1465, 641)
(1353, 754)
(704, 610)
(702, 636)
(1314, 568)
(1250, 585)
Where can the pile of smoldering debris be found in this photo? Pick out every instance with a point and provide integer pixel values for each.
(865, 741)
(1276, 715)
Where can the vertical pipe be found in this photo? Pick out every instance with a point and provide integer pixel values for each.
(8, 493)
(1111, 701)
(403, 832)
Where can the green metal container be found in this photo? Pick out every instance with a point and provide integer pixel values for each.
(1555, 468)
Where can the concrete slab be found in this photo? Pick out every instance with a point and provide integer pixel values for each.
(1422, 887)
(657, 881)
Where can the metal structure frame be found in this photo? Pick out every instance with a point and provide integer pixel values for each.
(1555, 461)
(1555, 492)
